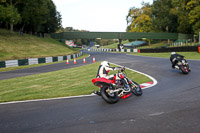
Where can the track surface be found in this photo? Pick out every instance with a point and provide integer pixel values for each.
(172, 106)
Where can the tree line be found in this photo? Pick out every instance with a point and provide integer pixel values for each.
(175, 16)
(31, 16)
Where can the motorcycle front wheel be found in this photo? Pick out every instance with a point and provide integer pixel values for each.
(107, 96)
(136, 89)
(184, 69)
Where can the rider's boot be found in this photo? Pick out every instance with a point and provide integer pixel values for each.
(173, 66)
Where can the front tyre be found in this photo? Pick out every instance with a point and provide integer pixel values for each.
(107, 96)
(136, 89)
(184, 69)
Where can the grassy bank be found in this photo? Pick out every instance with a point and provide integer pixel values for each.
(188, 55)
(62, 83)
(16, 46)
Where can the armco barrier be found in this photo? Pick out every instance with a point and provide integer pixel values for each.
(22, 62)
(2, 64)
(31, 61)
(41, 60)
(55, 59)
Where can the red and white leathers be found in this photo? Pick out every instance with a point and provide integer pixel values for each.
(104, 69)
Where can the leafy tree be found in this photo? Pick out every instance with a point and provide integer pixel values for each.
(36, 15)
(163, 19)
(139, 20)
(53, 19)
(9, 14)
(193, 6)
(132, 15)
(142, 23)
(33, 15)
(181, 16)
(179, 9)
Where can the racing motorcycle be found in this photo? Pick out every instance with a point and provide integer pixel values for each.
(182, 65)
(111, 93)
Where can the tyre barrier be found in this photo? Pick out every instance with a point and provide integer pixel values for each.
(31, 61)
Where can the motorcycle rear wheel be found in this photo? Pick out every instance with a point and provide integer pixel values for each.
(136, 89)
(109, 98)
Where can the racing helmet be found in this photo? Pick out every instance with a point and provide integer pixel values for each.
(172, 53)
(105, 63)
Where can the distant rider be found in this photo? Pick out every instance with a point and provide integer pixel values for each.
(174, 57)
(103, 71)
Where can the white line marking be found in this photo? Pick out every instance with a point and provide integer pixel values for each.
(153, 79)
(48, 99)
(157, 113)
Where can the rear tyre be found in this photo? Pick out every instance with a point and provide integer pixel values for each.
(109, 97)
(136, 89)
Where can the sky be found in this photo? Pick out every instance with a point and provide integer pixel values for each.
(96, 15)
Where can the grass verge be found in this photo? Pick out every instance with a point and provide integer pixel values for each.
(62, 83)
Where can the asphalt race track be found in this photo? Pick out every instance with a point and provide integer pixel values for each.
(172, 106)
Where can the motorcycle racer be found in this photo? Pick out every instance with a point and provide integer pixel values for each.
(103, 71)
(173, 58)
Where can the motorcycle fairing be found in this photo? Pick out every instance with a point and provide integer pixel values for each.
(102, 81)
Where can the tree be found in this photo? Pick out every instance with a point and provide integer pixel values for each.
(143, 23)
(41, 16)
(132, 15)
(179, 9)
(9, 15)
(139, 20)
(38, 16)
(193, 6)
(163, 19)
(53, 18)
(33, 15)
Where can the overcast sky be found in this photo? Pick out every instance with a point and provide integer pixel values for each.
(96, 15)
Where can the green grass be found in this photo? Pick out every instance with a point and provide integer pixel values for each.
(188, 55)
(16, 46)
(62, 83)
(156, 45)
(37, 65)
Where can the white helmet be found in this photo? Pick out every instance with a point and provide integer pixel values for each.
(173, 53)
(105, 63)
